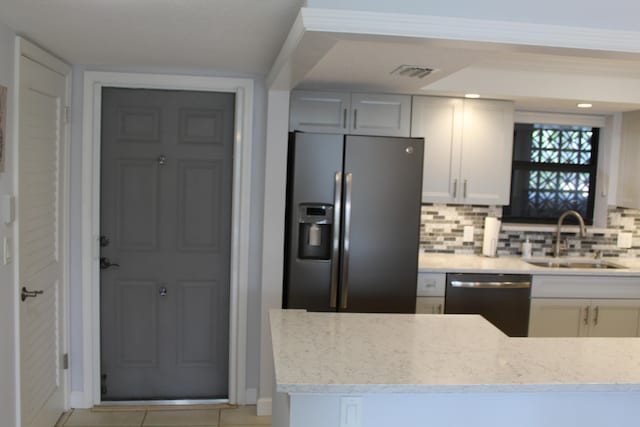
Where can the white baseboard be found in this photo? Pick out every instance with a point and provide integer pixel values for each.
(251, 396)
(78, 400)
(264, 407)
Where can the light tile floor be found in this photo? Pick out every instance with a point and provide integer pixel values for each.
(242, 416)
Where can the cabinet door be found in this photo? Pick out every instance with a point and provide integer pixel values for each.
(558, 317)
(381, 115)
(439, 122)
(487, 144)
(628, 194)
(615, 318)
(325, 112)
(429, 305)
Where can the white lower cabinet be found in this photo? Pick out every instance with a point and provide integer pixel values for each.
(429, 305)
(584, 318)
(557, 318)
(430, 293)
(581, 306)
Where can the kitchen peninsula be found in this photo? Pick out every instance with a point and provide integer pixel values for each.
(374, 370)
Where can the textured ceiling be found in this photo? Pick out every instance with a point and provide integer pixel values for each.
(240, 36)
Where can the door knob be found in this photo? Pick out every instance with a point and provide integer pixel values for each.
(29, 294)
(106, 263)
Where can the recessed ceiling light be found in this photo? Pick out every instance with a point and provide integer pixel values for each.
(471, 95)
(584, 105)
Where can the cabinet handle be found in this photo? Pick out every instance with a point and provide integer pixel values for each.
(344, 118)
(439, 309)
(455, 188)
(586, 315)
(464, 189)
(595, 315)
(355, 119)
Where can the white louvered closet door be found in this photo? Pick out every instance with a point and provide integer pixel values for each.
(40, 145)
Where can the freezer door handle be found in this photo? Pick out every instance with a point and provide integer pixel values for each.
(345, 242)
(335, 247)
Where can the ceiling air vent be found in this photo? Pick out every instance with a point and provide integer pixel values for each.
(412, 71)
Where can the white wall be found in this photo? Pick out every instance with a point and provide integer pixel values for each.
(8, 293)
(273, 237)
(612, 14)
(255, 250)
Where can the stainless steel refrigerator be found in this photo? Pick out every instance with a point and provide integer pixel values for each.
(352, 223)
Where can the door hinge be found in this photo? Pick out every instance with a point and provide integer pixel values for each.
(67, 115)
(65, 361)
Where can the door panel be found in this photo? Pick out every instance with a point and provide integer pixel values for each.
(385, 223)
(198, 301)
(166, 215)
(40, 232)
(137, 204)
(200, 205)
(136, 316)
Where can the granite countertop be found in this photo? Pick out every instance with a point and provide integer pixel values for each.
(405, 353)
(443, 263)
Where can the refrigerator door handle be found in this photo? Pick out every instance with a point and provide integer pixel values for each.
(345, 242)
(335, 248)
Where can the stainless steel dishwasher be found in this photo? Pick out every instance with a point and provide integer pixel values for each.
(502, 299)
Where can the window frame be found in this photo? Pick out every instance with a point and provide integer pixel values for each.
(591, 168)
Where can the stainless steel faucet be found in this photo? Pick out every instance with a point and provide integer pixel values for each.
(583, 229)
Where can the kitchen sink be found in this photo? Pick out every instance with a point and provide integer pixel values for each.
(574, 263)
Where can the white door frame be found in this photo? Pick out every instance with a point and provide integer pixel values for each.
(94, 81)
(24, 48)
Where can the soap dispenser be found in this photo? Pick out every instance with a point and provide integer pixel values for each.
(526, 249)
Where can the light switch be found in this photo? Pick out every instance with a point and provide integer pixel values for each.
(7, 208)
(624, 239)
(351, 412)
(467, 235)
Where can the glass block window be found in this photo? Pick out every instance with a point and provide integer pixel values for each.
(554, 170)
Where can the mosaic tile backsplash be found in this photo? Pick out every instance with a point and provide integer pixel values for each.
(442, 230)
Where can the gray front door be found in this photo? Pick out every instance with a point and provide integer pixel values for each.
(166, 178)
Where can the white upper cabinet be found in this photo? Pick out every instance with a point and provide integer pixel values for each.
(487, 146)
(628, 193)
(312, 111)
(384, 115)
(357, 113)
(468, 146)
(439, 121)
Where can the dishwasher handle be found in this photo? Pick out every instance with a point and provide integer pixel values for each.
(490, 285)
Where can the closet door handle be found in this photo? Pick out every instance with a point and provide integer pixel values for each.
(596, 315)
(464, 189)
(355, 119)
(455, 188)
(344, 118)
